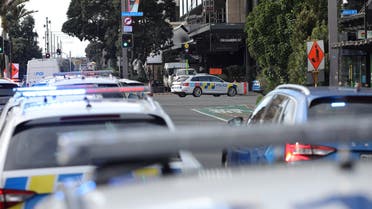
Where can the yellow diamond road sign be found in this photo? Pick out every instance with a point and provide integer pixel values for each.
(186, 45)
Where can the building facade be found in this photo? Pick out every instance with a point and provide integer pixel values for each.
(213, 33)
(355, 45)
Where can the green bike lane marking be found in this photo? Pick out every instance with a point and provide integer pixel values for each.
(225, 113)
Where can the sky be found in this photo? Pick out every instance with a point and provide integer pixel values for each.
(56, 11)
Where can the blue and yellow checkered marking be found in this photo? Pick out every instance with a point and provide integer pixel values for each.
(42, 184)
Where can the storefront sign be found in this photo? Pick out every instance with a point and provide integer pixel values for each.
(215, 71)
(361, 34)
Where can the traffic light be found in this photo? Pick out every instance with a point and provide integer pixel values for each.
(59, 51)
(47, 55)
(127, 40)
(1, 45)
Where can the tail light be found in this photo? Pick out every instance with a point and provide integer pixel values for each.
(11, 197)
(300, 152)
(185, 84)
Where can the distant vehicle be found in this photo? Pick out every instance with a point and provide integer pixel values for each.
(256, 86)
(6, 91)
(169, 70)
(38, 69)
(203, 84)
(182, 72)
(290, 104)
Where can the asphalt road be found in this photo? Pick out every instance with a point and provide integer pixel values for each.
(182, 111)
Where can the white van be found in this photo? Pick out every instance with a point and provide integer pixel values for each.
(38, 69)
(169, 72)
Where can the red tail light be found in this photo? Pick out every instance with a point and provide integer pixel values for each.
(185, 84)
(299, 152)
(11, 197)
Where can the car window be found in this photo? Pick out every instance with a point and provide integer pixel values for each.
(204, 78)
(34, 144)
(275, 109)
(288, 115)
(339, 106)
(195, 79)
(215, 79)
(6, 89)
(259, 111)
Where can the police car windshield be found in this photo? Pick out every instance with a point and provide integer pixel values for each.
(340, 106)
(34, 143)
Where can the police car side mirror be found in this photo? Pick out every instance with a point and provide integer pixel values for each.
(236, 121)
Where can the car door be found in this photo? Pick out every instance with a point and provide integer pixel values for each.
(218, 86)
(205, 84)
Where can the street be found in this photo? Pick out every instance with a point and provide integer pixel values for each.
(191, 111)
(184, 111)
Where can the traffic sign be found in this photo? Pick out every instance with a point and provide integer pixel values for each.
(127, 29)
(132, 14)
(127, 21)
(315, 55)
(186, 45)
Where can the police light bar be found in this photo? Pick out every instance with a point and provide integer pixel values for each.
(50, 88)
(82, 91)
(86, 72)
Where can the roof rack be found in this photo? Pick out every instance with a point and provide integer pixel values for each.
(300, 88)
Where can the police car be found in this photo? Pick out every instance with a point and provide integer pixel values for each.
(28, 167)
(203, 84)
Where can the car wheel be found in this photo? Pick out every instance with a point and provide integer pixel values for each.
(231, 92)
(216, 95)
(182, 94)
(197, 92)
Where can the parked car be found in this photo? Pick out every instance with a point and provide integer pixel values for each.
(6, 91)
(28, 165)
(256, 86)
(203, 84)
(293, 104)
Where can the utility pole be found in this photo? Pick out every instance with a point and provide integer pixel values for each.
(124, 71)
(46, 26)
(333, 38)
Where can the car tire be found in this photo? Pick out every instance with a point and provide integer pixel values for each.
(216, 95)
(182, 94)
(231, 92)
(197, 92)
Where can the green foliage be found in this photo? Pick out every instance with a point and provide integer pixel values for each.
(24, 44)
(99, 21)
(277, 34)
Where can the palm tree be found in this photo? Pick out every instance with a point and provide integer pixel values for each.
(11, 12)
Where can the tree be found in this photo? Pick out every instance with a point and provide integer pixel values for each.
(151, 31)
(268, 29)
(24, 44)
(99, 21)
(277, 34)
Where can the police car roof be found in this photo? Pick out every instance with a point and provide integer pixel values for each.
(34, 110)
(85, 80)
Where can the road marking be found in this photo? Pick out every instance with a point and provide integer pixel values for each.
(213, 116)
(225, 113)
